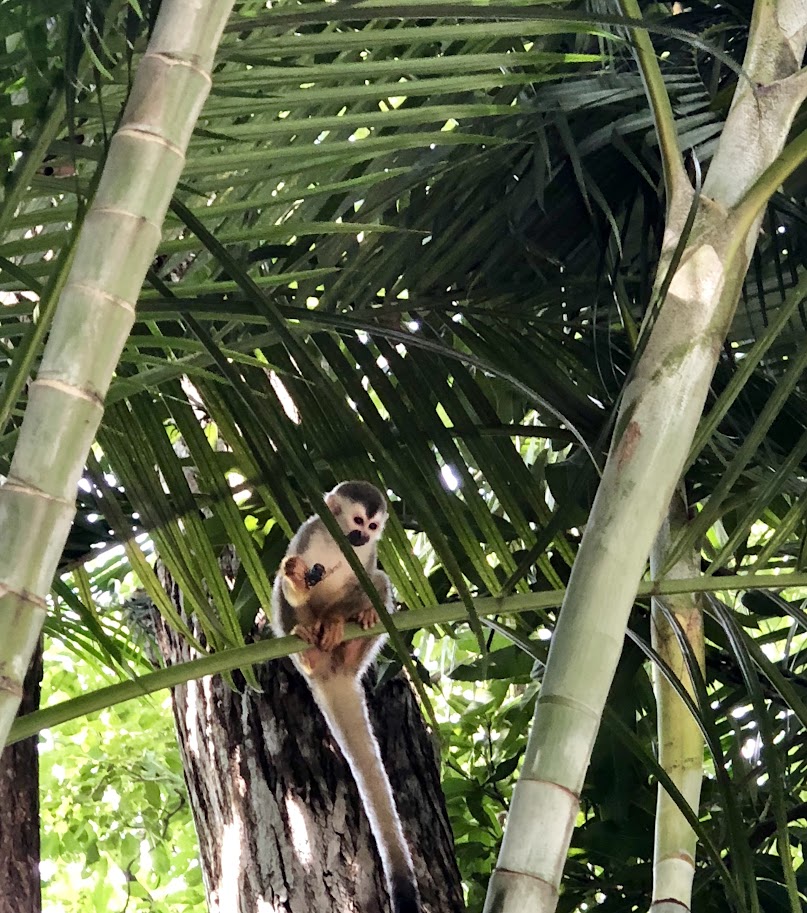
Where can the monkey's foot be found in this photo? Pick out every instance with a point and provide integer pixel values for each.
(325, 635)
(305, 633)
(331, 633)
(367, 618)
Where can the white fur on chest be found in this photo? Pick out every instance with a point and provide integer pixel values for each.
(322, 549)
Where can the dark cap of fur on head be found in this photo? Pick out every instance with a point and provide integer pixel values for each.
(363, 493)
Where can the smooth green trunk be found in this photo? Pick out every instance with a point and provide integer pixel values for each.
(659, 414)
(92, 321)
(680, 741)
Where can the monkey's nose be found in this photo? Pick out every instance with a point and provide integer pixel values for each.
(356, 537)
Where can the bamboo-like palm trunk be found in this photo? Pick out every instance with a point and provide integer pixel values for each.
(679, 737)
(93, 319)
(659, 413)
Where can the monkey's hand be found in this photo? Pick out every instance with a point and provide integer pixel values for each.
(324, 635)
(296, 571)
(292, 581)
(367, 618)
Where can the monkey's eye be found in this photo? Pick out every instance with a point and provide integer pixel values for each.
(359, 521)
(373, 526)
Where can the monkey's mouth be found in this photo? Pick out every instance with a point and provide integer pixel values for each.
(356, 537)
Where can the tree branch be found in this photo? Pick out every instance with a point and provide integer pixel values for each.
(756, 199)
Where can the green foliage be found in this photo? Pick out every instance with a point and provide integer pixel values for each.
(484, 735)
(415, 249)
(116, 824)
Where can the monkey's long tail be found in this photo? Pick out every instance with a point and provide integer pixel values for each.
(341, 699)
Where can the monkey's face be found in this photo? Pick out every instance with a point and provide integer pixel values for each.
(360, 522)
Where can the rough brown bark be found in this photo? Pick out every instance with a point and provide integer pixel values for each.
(280, 826)
(19, 811)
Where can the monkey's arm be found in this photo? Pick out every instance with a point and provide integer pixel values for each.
(301, 611)
(355, 605)
(323, 625)
(358, 607)
(353, 657)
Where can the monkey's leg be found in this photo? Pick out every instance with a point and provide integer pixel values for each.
(315, 662)
(355, 655)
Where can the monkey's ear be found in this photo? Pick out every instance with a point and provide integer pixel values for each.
(334, 503)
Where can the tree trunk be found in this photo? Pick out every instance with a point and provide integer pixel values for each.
(277, 813)
(680, 740)
(19, 810)
(659, 410)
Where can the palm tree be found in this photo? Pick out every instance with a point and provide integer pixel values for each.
(421, 249)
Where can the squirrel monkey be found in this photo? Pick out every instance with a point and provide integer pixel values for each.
(314, 594)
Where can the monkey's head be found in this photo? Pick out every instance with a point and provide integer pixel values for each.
(361, 510)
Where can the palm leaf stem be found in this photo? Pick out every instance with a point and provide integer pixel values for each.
(445, 613)
(675, 178)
